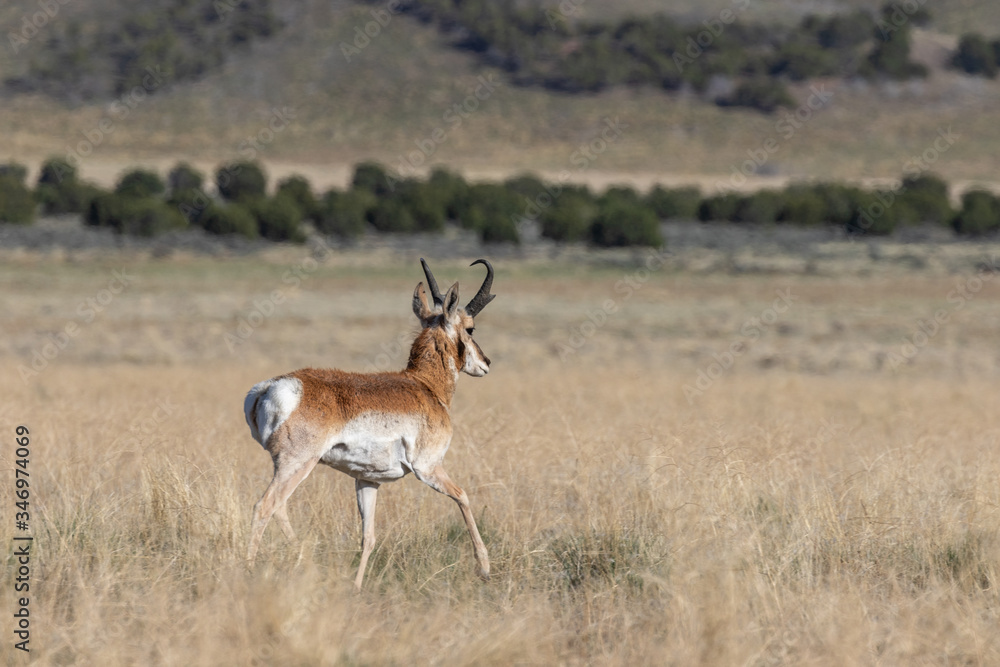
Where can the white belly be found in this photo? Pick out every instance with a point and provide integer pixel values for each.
(373, 447)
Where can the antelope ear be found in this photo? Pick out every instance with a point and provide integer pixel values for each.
(421, 308)
(451, 302)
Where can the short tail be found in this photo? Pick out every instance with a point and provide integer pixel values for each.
(268, 404)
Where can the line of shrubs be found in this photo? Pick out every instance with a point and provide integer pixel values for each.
(546, 45)
(144, 204)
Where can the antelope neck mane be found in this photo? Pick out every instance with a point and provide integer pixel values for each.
(429, 358)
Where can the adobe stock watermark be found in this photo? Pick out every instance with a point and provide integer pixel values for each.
(714, 27)
(925, 331)
(785, 128)
(87, 311)
(117, 112)
(580, 334)
(391, 353)
(248, 149)
(912, 167)
(146, 424)
(363, 35)
(562, 13)
(582, 157)
(902, 13)
(32, 23)
(307, 607)
(828, 430)
(265, 307)
(276, 123)
(453, 118)
(749, 332)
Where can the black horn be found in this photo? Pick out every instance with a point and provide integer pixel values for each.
(432, 284)
(483, 296)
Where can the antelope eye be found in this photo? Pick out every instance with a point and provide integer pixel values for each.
(470, 330)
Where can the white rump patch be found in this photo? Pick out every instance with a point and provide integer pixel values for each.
(269, 404)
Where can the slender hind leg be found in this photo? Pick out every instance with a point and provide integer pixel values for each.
(281, 514)
(367, 494)
(287, 476)
(438, 480)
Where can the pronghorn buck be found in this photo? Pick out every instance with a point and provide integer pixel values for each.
(376, 427)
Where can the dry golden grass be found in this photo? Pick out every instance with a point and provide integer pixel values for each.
(797, 512)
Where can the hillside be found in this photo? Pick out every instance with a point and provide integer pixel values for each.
(396, 92)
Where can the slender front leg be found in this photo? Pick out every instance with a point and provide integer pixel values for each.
(438, 480)
(367, 494)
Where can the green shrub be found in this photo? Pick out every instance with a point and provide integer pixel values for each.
(65, 198)
(621, 223)
(891, 54)
(926, 198)
(450, 187)
(842, 31)
(840, 202)
(56, 171)
(427, 205)
(498, 228)
(674, 203)
(620, 194)
(344, 214)
(390, 215)
(185, 177)
(472, 217)
(241, 181)
(761, 207)
(252, 20)
(569, 218)
(278, 219)
(15, 172)
(224, 219)
(373, 177)
(528, 186)
(140, 183)
(803, 205)
(191, 203)
(720, 207)
(298, 189)
(102, 209)
(799, 61)
(17, 204)
(976, 56)
(980, 213)
(877, 214)
(59, 191)
(135, 216)
(483, 199)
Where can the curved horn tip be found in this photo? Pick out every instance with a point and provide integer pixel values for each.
(432, 283)
(483, 297)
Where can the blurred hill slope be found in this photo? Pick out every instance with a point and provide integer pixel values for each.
(398, 94)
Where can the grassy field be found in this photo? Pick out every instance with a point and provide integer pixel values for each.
(825, 495)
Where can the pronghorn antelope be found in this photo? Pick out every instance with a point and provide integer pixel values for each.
(376, 427)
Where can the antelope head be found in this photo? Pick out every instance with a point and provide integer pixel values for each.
(455, 322)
